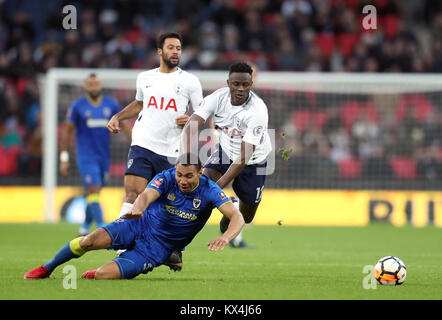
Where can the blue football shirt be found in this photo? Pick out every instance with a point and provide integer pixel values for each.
(90, 125)
(175, 218)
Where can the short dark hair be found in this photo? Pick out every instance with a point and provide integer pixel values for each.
(240, 67)
(189, 159)
(164, 36)
(92, 75)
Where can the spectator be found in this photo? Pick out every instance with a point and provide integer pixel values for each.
(377, 166)
(429, 166)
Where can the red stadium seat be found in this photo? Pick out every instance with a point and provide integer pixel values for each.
(320, 117)
(351, 111)
(325, 43)
(347, 41)
(403, 167)
(349, 168)
(421, 107)
(117, 169)
(301, 119)
(390, 24)
(8, 161)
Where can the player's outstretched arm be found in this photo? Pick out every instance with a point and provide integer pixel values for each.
(236, 167)
(142, 203)
(235, 226)
(130, 111)
(189, 136)
(127, 129)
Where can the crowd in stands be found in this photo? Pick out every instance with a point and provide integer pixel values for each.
(276, 35)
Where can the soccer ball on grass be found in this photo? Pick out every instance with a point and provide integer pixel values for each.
(390, 271)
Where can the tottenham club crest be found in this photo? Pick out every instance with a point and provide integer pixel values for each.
(196, 203)
(129, 163)
(257, 130)
(178, 88)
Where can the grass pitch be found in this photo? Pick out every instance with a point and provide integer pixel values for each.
(288, 263)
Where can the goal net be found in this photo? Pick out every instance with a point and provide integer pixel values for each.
(329, 131)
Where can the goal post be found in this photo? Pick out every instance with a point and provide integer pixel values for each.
(332, 130)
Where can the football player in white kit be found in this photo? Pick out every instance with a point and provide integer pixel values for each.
(241, 118)
(163, 96)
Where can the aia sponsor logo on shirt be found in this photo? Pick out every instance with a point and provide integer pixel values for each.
(232, 133)
(161, 104)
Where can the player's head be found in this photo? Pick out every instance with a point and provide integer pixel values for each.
(92, 85)
(188, 171)
(240, 82)
(169, 47)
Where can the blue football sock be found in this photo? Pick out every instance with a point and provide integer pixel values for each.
(71, 250)
(88, 219)
(94, 206)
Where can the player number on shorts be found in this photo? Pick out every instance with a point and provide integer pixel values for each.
(259, 194)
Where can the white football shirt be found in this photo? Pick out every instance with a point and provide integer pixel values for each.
(247, 122)
(165, 96)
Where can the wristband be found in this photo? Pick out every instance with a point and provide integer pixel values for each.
(64, 156)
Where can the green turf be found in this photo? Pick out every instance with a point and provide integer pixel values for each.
(287, 263)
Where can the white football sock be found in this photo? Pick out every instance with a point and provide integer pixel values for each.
(237, 240)
(125, 208)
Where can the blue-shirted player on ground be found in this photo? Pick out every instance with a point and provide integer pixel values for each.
(88, 116)
(173, 208)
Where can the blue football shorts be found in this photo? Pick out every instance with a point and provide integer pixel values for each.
(142, 253)
(145, 163)
(93, 171)
(249, 184)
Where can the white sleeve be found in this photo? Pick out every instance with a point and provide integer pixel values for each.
(207, 107)
(256, 127)
(195, 93)
(139, 95)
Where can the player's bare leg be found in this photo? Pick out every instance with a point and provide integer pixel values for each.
(133, 186)
(100, 239)
(109, 271)
(248, 213)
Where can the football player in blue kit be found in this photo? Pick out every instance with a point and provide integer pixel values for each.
(173, 208)
(88, 117)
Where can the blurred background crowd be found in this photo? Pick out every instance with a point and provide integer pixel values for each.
(276, 35)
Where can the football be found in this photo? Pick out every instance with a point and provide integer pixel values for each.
(390, 271)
